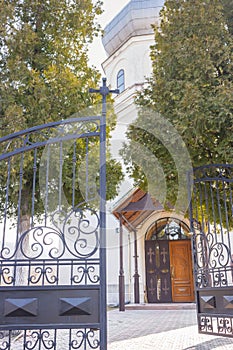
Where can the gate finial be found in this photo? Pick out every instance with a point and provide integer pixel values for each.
(104, 91)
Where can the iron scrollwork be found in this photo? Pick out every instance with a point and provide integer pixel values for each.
(212, 259)
(40, 273)
(211, 209)
(224, 325)
(77, 235)
(85, 274)
(41, 338)
(206, 324)
(84, 338)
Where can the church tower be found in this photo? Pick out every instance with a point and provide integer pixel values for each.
(127, 40)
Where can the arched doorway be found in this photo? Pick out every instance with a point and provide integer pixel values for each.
(169, 276)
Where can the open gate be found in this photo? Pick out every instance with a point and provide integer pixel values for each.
(52, 254)
(211, 217)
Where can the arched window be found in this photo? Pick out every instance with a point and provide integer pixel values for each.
(121, 80)
(168, 229)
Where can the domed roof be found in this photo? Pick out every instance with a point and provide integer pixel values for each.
(133, 20)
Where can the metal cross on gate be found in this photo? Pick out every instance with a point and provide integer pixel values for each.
(104, 91)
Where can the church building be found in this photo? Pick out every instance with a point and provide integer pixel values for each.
(152, 250)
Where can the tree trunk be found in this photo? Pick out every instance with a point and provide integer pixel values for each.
(21, 278)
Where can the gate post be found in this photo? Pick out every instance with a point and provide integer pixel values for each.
(104, 91)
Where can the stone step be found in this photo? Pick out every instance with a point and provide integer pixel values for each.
(161, 306)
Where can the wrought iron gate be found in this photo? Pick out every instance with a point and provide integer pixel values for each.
(52, 255)
(211, 216)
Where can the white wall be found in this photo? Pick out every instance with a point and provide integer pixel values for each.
(133, 57)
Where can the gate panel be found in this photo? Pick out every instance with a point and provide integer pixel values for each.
(51, 210)
(211, 213)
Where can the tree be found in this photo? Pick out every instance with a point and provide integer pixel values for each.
(228, 13)
(191, 87)
(45, 77)
(43, 63)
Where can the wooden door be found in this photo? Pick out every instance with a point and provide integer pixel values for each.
(181, 271)
(158, 280)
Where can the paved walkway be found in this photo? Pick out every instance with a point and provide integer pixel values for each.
(140, 330)
(160, 330)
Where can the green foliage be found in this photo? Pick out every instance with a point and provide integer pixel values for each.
(191, 86)
(44, 72)
(45, 76)
(228, 13)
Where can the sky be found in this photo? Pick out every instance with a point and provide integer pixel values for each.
(111, 7)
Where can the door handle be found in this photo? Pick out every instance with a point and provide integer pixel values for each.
(172, 272)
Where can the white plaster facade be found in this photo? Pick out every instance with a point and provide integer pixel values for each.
(127, 40)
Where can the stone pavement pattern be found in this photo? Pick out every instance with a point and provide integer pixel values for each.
(160, 330)
(148, 330)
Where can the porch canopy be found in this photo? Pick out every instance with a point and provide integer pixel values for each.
(136, 208)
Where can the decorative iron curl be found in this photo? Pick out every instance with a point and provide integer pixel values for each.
(5, 253)
(85, 273)
(219, 255)
(83, 223)
(205, 324)
(224, 325)
(83, 230)
(210, 253)
(41, 338)
(5, 344)
(203, 279)
(41, 272)
(5, 276)
(86, 337)
(219, 279)
(201, 248)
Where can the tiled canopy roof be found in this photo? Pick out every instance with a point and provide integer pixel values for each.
(136, 208)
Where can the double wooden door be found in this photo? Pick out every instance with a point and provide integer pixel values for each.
(169, 276)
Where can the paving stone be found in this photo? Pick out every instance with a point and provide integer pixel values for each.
(160, 330)
(150, 330)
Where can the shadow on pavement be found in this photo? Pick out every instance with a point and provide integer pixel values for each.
(211, 344)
